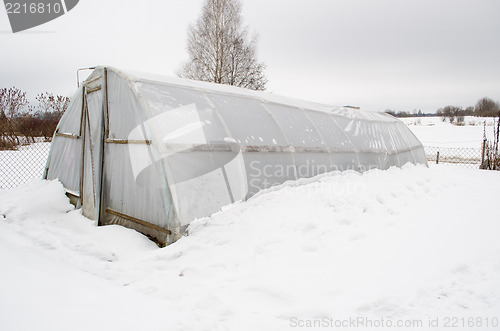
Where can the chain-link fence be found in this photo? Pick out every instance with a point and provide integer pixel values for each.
(23, 164)
(465, 157)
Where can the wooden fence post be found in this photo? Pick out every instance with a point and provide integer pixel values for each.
(483, 151)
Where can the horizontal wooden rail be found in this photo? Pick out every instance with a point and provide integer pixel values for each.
(67, 135)
(138, 221)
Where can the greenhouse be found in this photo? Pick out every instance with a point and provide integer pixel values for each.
(154, 153)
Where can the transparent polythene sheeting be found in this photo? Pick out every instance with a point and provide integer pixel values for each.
(135, 183)
(64, 160)
(267, 142)
(256, 122)
(71, 119)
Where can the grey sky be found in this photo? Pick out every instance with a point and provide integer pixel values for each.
(377, 54)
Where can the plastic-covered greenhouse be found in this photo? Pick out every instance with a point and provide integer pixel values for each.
(154, 153)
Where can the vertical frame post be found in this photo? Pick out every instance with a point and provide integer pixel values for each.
(83, 126)
(105, 134)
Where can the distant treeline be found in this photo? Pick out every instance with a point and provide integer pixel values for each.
(408, 114)
(21, 122)
(485, 107)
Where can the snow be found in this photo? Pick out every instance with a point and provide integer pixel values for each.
(432, 131)
(400, 245)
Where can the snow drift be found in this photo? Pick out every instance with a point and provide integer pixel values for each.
(402, 245)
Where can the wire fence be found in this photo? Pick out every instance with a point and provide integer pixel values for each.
(463, 157)
(23, 164)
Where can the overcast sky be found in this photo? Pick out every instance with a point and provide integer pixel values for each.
(377, 54)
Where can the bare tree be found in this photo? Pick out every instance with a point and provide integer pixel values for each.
(12, 100)
(50, 111)
(47, 102)
(447, 112)
(453, 113)
(61, 103)
(219, 50)
(487, 107)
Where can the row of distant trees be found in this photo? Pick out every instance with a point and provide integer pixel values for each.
(21, 122)
(485, 107)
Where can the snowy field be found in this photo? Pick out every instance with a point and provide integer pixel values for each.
(415, 247)
(457, 145)
(432, 131)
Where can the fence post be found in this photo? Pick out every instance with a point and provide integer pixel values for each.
(498, 132)
(483, 151)
(437, 157)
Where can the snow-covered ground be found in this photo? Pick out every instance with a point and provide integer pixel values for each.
(433, 131)
(418, 246)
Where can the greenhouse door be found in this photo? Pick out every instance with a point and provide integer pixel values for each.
(92, 152)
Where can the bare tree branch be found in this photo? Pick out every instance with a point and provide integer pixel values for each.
(219, 50)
